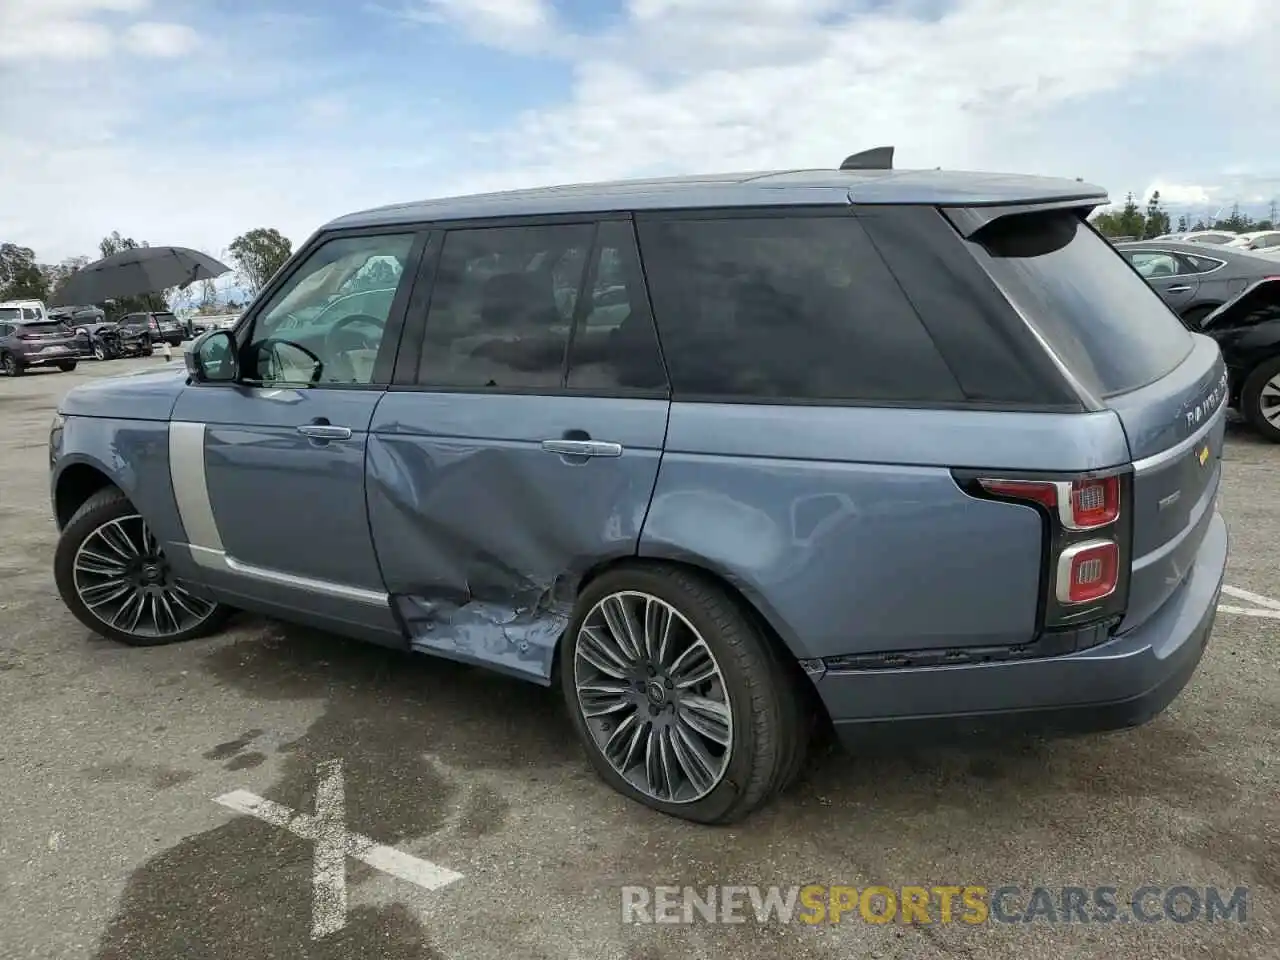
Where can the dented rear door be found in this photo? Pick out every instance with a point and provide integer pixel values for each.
(489, 501)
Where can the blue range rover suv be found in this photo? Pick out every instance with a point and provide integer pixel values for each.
(727, 458)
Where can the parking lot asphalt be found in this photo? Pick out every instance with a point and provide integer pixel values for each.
(112, 845)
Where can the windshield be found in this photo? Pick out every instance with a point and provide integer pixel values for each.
(1097, 314)
(10, 313)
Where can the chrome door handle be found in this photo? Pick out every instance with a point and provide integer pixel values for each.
(1180, 289)
(324, 431)
(583, 448)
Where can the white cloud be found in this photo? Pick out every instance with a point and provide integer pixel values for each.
(498, 23)
(1094, 88)
(154, 39)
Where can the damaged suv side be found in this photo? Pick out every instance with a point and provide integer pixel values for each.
(722, 457)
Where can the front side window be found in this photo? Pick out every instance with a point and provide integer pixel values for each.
(786, 308)
(325, 326)
(502, 307)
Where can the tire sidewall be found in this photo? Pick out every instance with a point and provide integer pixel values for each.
(1251, 399)
(715, 804)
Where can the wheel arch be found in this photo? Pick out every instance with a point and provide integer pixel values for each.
(76, 481)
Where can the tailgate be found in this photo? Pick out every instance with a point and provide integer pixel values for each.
(1175, 430)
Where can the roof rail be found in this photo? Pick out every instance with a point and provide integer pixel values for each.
(877, 158)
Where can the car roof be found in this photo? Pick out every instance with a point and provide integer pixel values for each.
(1181, 246)
(769, 188)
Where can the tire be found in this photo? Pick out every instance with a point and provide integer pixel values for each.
(1256, 389)
(67, 367)
(11, 366)
(766, 725)
(99, 352)
(110, 509)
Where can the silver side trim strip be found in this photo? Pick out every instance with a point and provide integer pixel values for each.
(1178, 449)
(217, 560)
(190, 486)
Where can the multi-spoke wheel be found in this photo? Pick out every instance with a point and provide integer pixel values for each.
(681, 701)
(1260, 398)
(113, 575)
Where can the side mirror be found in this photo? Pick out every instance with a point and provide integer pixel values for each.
(212, 358)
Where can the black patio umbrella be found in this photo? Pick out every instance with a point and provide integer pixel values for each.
(137, 271)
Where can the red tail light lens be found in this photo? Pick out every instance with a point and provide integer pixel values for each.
(1043, 492)
(1088, 571)
(1093, 503)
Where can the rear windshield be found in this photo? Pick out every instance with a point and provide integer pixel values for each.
(10, 313)
(166, 318)
(1098, 315)
(44, 327)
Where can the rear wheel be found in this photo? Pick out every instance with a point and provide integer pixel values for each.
(112, 574)
(680, 700)
(1260, 399)
(99, 352)
(67, 367)
(11, 365)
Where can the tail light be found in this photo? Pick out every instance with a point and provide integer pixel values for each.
(1086, 541)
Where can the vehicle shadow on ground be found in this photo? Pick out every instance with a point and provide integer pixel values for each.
(243, 890)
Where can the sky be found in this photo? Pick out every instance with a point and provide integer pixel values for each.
(191, 121)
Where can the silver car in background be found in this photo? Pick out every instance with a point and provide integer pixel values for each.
(1194, 280)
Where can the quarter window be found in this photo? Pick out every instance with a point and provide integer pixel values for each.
(503, 305)
(326, 324)
(786, 308)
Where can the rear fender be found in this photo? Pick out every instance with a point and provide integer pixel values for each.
(1252, 306)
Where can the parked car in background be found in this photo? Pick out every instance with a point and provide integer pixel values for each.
(1212, 237)
(25, 344)
(1258, 240)
(23, 310)
(1247, 330)
(1192, 279)
(161, 327)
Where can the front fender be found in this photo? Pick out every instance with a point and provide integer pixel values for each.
(131, 454)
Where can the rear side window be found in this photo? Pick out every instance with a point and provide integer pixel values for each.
(1103, 321)
(786, 308)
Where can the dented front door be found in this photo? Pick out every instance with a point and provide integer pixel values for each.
(504, 464)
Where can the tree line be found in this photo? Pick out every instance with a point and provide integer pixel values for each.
(1153, 221)
(255, 255)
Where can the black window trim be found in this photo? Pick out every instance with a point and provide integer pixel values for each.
(388, 348)
(405, 378)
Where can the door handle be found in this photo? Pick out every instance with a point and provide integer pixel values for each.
(324, 431)
(1181, 288)
(583, 448)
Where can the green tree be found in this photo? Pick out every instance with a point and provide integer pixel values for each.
(1264, 225)
(208, 297)
(1156, 221)
(1131, 222)
(258, 254)
(1237, 222)
(20, 275)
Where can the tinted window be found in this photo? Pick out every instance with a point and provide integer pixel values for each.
(798, 307)
(1202, 264)
(10, 313)
(326, 323)
(614, 343)
(1108, 326)
(502, 306)
(29, 313)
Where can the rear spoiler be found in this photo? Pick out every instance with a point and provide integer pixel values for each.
(970, 219)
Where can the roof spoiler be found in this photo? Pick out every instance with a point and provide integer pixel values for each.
(877, 158)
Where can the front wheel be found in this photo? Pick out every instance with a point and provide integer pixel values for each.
(1260, 399)
(681, 702)
(99, 352)
(112, 574)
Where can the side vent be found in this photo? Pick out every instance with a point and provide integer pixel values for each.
(877, 158)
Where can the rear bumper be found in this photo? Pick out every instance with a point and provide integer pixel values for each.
(1121, 683)
(48, 359)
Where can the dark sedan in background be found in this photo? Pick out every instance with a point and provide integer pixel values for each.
(1194, 278)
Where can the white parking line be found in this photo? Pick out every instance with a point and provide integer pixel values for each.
(334, 843)
(1254, 598)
